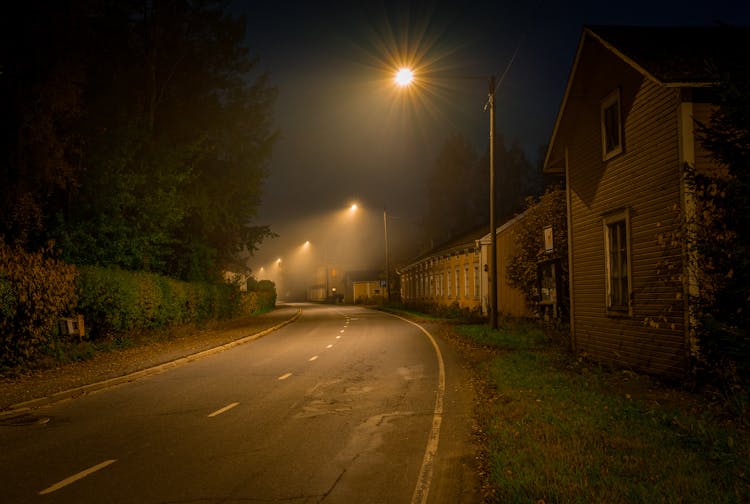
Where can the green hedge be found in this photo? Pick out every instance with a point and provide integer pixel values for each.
(36, 290)
(260, 296)
(113, 300)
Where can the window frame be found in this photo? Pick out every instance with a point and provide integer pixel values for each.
(613, 99)
(476, 282)
(466, 281)
(608, 223)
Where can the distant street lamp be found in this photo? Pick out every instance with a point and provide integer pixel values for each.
(404, 77)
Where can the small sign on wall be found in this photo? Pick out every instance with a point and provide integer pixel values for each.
(549, 244)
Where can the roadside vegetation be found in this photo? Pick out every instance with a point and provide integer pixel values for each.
(38, 290)
(132, 171)
(554, 428)
(560, 429)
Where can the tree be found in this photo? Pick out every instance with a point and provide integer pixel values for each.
(457, 188)
(454, 191)
(522, 270)
(721, 227)
(41, 82)
(170, 142)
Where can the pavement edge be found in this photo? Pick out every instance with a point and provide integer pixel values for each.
(26, 406)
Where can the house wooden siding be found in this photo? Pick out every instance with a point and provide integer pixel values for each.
(433, 278)
(644, 181)
(510, 300)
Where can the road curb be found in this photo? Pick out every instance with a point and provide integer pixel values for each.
(26, 406)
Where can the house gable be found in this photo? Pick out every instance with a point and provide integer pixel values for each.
(622, 203)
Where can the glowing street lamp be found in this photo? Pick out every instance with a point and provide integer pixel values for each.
(403, 78)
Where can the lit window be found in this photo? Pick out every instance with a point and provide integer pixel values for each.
(611, 126)
(617, 250)
(466, 281)
(476, 281)
(458, 289)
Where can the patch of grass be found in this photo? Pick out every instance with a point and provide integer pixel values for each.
(508, 336)
(558, 430)
(413, 314)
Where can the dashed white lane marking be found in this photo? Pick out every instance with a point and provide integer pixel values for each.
(341, 331)
(313, 358)
(329, 346)
(285, 376)
(223, 410)
(338, 337)
(76, 477)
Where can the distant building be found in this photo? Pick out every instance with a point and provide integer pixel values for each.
(457, 272)
(448, 274)
(363, 287)
(510, 300)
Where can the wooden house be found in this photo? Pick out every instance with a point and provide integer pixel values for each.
(447, 274)
(624, 132)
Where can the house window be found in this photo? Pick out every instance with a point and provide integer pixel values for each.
(448, 278)
(466, 281)
(458, 288)
(611, 126)
(476, 281)
(617, 250)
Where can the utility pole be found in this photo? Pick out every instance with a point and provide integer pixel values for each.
(387, 293)
(492, 284)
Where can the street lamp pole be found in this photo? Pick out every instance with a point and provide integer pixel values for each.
(492, 284)
(387, 259)
(404, 77)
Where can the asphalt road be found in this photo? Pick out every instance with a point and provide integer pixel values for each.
(345, 405)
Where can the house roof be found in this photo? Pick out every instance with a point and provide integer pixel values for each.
(461, 242)
(682, 55)
(674, 56)
(362, 275)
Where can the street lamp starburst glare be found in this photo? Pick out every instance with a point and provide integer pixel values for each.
(404, 77)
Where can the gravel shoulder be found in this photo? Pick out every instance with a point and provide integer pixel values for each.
(41, 383)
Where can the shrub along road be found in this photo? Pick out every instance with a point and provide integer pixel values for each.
(129, 354)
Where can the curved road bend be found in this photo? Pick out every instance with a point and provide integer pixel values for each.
(338, 407)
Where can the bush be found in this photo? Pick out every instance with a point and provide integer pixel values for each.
(260, 297)
(114, 300)
(36, 289)
(453, 311)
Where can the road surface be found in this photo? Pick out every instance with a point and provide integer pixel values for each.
(345, 405)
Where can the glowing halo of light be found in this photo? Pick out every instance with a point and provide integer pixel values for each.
(404, 76)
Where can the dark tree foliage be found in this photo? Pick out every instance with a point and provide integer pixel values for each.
(454, 187)
(458, 187)
(722, 227)
(137, 134)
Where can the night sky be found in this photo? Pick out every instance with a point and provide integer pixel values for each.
(348, 134)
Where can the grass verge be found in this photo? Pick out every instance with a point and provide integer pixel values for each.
(558, 429)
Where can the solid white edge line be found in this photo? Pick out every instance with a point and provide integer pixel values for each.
(422, 489)
(224, 409)
(76, 477)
